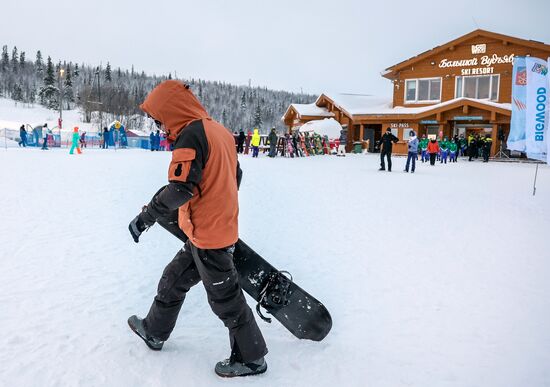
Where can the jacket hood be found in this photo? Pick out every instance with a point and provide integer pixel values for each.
(174, 105)
(256, 132)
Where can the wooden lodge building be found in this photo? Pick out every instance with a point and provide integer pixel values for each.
(457, 88)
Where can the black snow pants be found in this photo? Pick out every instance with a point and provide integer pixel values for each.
(220, 279)
(386, 153)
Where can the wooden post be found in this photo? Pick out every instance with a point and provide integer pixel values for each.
(494, 136)
(361, 132)
(351, 135)
(442, 130)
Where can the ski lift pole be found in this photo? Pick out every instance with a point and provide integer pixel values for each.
(535, 181)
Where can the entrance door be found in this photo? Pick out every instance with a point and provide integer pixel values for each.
(373, 133)
(480, 129)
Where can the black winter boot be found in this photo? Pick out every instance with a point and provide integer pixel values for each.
(138, 326)
(229, 368)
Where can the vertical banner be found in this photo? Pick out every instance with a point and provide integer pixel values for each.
(536, 123)
(516, 138)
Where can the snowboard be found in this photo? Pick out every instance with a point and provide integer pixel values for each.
(298, 311)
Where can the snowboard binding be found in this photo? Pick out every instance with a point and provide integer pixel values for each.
(275, 293)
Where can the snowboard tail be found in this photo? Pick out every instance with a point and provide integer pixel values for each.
(298, 311)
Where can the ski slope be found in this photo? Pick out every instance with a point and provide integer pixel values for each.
(434, 279)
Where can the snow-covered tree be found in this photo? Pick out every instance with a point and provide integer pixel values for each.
(49, 93)
(257, 122)
(17, 92)
(5, 58)
(108, 76)
(14, 59)
(22, 60)
(38, 64)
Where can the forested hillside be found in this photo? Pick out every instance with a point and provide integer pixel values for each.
(102, 93)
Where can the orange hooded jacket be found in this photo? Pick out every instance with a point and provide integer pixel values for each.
(205, 158)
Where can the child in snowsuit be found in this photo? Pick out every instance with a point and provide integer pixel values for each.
(433, 150)
(76, 140)
(423, 148)
(453, 148)
(444, 146)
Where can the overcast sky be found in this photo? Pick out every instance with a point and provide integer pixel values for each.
(315, 46)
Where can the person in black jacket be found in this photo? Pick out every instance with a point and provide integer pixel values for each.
(240, 141)
(386, 143)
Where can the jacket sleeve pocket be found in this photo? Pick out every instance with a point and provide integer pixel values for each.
(181, 164)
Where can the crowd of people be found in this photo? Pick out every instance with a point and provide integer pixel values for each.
(42, 136)
(475, 146)
(434, 149)
(294, 144)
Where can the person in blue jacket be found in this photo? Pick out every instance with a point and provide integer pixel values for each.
(413, 151)
(23, 135)
(157, 140)
(123, 137)
(152, 141)
(105, 138)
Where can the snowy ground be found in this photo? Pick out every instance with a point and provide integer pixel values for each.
(434, 279)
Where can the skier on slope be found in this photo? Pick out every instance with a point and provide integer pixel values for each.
(75, 142)
(204, 175)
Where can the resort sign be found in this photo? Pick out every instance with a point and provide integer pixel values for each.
(487, 61)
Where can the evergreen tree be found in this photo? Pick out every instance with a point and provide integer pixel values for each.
(68, 77)
(243, 101)
(108, 77)
(22, 60)
(31, 95)
(49, 93)
(68, 94)
(38, 62)
(5, 58)
(258, 116)
(76, 71)
(224, 117)
(14, 59)
(17, 92)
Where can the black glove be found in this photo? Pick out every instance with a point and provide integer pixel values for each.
(140, 224)
(136, 227)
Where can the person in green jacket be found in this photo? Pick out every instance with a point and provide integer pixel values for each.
(76, 140)
(453, 148)
(423, 145)
(444, 146)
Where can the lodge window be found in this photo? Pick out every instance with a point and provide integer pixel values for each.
(478, 87)
(423, 90)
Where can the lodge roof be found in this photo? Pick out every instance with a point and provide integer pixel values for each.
(359, 105)
(309, 110)
(390, 71)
